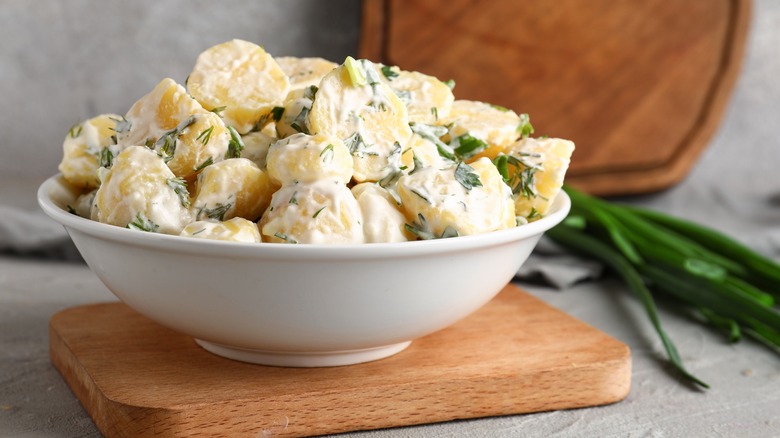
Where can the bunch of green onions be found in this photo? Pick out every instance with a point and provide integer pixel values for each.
(724, 283)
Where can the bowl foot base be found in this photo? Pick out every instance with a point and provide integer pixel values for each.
(303, 359)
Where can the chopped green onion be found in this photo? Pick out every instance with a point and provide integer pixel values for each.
(356, 73)
(727, 285)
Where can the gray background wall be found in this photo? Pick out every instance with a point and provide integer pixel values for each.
(62, 61)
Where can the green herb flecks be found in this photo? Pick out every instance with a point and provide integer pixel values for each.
(466, 146)
(216, 213)
(310, 92)
(301, 121)
(435, 112)
(276, 113)
(433, 134)
(355, 143)
(179, 186)
(421, 229)
(209, 161)
(205, 135)
(396, 171)
(465, 175)
(218, 110)
(525, 128)
(417, 164)
(378, 99)
(75, 130)
(421, 196)
(450, 83)
(285, 237)
(235, 146)
(106, 157)
(404, 95)
(314, 216)
(327, 154)
(521, 177)
(142, 223)
(166, 144)
(389, 73)
(294, 198)
(120, 126)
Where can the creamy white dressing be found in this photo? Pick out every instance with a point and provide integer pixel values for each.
(233, 230)
(136, 185)
(292, 115)
(308, 158)
(293, 210)
(84, 203)
(482, 121)
(445, 202)
(256, 145)
(382, 219)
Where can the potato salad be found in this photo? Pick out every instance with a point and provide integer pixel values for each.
(252, 148)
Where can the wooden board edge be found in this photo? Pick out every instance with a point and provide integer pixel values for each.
(642, 180)
(387, 407)
(605, 381)
(101, 409)
(633, 180)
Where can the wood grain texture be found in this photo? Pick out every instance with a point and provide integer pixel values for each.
(639, 85)
(515, 355)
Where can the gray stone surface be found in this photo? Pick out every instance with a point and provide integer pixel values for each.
(734, 187)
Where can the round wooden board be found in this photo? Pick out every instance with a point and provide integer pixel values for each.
(639, 85)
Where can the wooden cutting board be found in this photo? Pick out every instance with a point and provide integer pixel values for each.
(515, 355)
(639, 85)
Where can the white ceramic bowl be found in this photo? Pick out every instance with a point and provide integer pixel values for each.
(299, 305)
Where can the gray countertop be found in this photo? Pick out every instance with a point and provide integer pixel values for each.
(734, 187)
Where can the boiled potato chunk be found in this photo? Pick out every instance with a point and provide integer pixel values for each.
(354, 105)
(139, 191)
(304, 72)
(493, 125)
(294, 117)
(537, 168)
(232, 188)
(177, 127)
(83, 147)
(383, 220)
(319, 212)
(425, 152)
(456, 201)
(256, 145)
(84, 203)
(308, 158)
(427, 99)
(241, 77)
(234, 230)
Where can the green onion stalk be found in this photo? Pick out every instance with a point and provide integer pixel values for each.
(722, 282)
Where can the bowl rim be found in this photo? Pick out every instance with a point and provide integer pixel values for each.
(558, 211)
